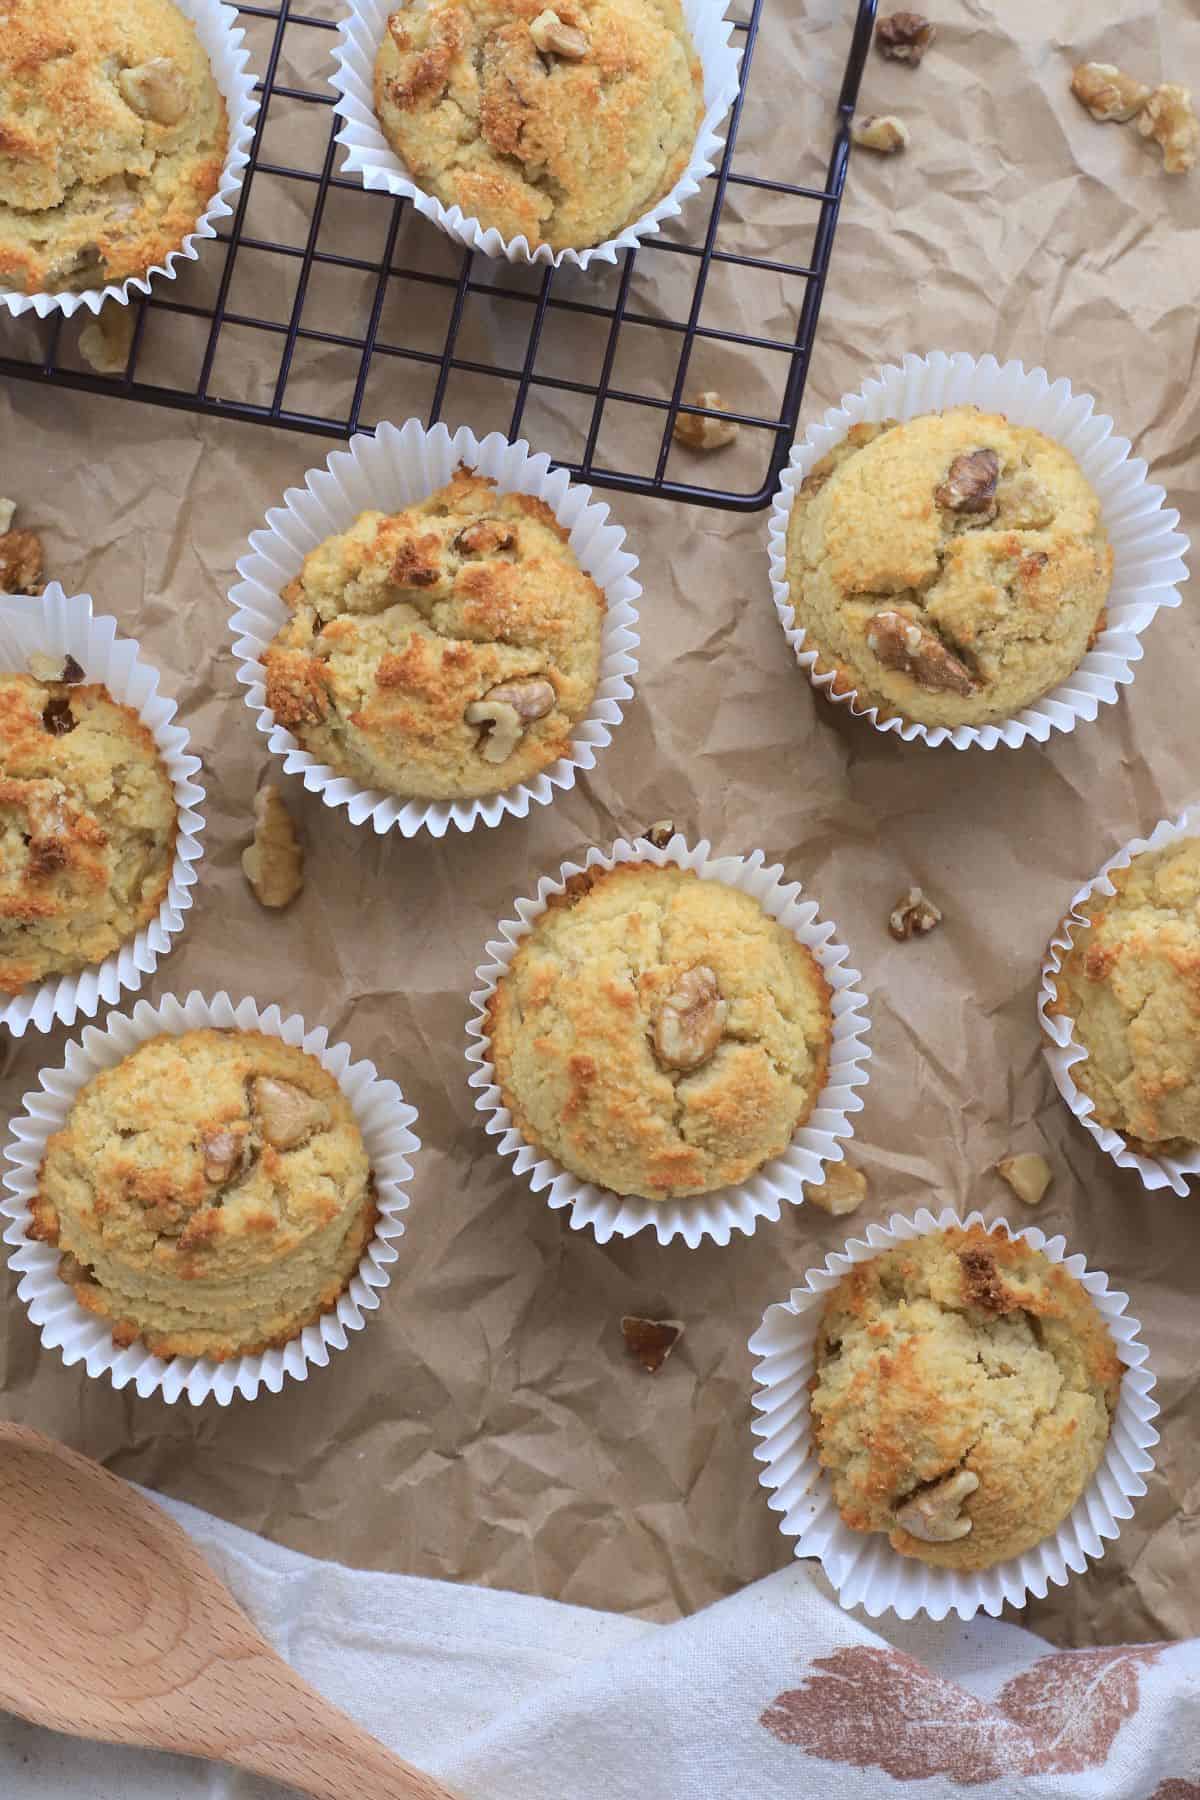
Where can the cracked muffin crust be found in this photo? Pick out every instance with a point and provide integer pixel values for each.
(211, 1194)
(659, 1034)
(951, 569)
(558, 124)
(441, 652)
(963, 1394)
(113, 136)
(87, 827)
(1130, 985)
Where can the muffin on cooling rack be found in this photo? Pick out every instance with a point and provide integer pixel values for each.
(659, 1034)
(87, 825)
(561, 125)
(441, 652)
(963, 1391)
(1130, 985)
(949, 570)
(211, 1194)
(113, 136)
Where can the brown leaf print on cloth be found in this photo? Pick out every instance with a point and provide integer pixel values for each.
(882, 1709)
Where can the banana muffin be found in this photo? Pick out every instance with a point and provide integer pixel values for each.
(211, 1194)
(659, 1034)
(441, 652)
(87, 826)
(949, 570)
(561, 125)
(963, 1393)
(113, 138)
(1130, 986)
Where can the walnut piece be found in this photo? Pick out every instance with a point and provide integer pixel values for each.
(970, 484)
(651, 1341)
(1167, 117)
(155, 90)
(933, 1515)
(274, 863)
(108, 340)
(20, 563)
(44, 667)
(1107, 93)
(913, 916)
(900, 643)
(483, 537)
(222, 1151)
(660, 833)
(287, 1114)
(905, 36)
(699, 433)
(505, 711)
(1028, 1175)
(691, 1018)
(8, 512)
(843, 1190)
(880, 131)
(554, 38)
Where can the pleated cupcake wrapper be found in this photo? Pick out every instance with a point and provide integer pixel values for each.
(224, 45)
(719, 1214)
(1063, 1052)
(1148, 550)
(58, 623)
(389, 471)
(862, 1566)
(383, 1118)
(370, 156)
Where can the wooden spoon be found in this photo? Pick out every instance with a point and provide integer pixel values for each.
(113, 1626)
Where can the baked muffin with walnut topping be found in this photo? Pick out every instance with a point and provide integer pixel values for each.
(659, 1034)
(441, 652)
(963, 1393)
(1130, 986)
(114, 135)
(949, 570)
(211, 1194)
(560, 124)
(87, 825)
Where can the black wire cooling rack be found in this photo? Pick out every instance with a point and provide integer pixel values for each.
(367, 311)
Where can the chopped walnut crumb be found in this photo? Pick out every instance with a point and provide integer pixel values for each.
(905, 36)
(553, 37)
(904, 644)
(843, 1190)
(1028, 1175)
(699, 433)
(1107, 93)
(651, 1341)
(274, 863)
(660, 833)
(913, 916)
(108, 340)
(1167, 117)
(881, 132)
(44, 667)
(21, 563)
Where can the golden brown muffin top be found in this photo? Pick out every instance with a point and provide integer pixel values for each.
(1130, 985)
(951, 569)
(441, 652)
(963, 1392)
(560, 125)
(211, 1193)
(659, 1034)
(87, 827)
(113, 135)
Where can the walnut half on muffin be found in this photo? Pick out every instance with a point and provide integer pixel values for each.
(949, 570)
(211, 1194)
(441, 652)
(561, 124)
(659, 1034)
(963, 1394)
(1130, 986)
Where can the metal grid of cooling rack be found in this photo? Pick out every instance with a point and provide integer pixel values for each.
(41, 350)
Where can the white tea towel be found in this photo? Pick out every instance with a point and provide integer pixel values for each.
(774, 1694)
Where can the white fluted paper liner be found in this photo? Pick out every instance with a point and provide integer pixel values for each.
(224, 44)
(1148, 550)
(391, 470)
(383, 1118)
(1062, 1050)
(370, 156)
(862, 1567)
(719, 1214)
(58, 624)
